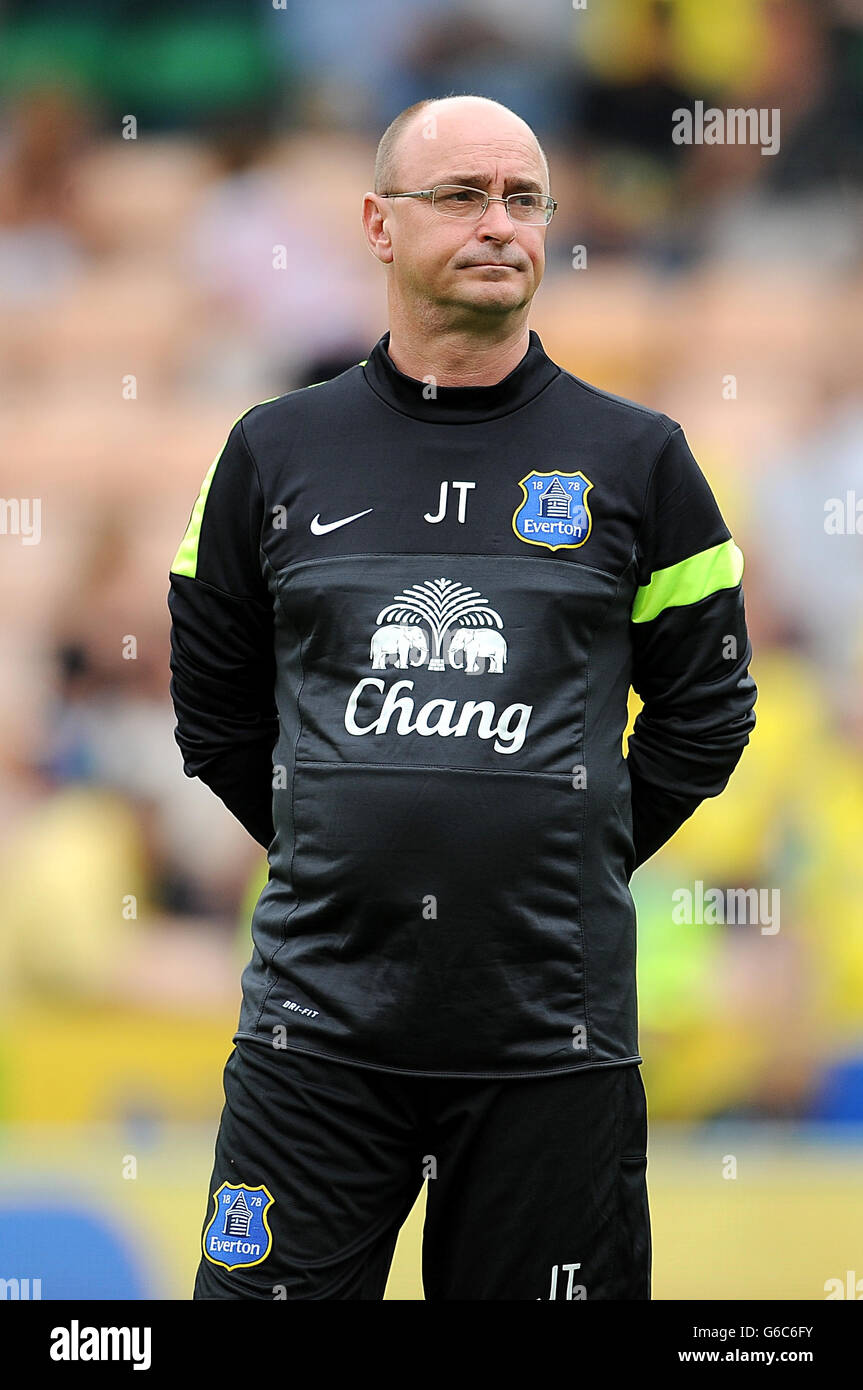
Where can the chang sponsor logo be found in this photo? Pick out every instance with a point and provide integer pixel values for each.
(443, 626)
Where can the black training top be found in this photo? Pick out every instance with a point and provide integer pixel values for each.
(405, 621)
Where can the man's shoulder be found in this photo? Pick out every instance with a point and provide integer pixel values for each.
(278, 412)
(620, 411)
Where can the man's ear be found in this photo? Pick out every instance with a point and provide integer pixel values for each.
(375, 218)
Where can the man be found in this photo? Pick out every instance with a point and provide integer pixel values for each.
(406, 615)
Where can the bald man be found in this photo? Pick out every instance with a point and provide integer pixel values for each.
(406, 615)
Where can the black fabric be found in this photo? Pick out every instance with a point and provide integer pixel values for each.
(536, 1189)
(448, 405)
(223, 674)
(401, 652)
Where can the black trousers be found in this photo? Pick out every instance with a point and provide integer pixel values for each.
(536, 1186)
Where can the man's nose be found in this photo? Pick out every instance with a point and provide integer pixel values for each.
(496, 223)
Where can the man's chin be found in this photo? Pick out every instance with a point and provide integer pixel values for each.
(492, 298)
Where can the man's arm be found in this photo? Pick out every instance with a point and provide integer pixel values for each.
(222, 660)
(691, 651)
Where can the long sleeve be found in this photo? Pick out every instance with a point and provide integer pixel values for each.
(222, 661)
(691, 651)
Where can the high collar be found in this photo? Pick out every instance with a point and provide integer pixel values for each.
(454, 405)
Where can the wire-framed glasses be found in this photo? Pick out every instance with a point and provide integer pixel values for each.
(454, 200)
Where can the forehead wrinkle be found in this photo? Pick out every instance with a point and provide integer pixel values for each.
(491, 153)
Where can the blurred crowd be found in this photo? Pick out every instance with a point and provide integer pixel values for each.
(180, 237)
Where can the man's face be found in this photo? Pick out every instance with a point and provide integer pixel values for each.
(488, 266)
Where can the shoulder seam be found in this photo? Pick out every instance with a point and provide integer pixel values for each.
(617, 400)
(637, 541)
(248, 448)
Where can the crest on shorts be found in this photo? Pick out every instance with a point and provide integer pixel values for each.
(238, 1234)
(554, 512)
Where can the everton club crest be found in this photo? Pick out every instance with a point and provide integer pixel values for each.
(238, 1234)
(554, 511)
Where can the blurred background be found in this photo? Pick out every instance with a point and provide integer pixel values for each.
(151, 159)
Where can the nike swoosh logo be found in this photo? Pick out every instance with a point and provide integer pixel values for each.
(320, 528)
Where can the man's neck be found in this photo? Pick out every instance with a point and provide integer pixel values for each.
(456, 358)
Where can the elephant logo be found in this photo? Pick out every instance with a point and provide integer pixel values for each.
(458, 625)
(477, 644)
(553, 513)
(398, 640)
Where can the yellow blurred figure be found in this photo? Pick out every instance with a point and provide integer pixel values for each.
(732, 1012)
(74, 893)
(710, 46)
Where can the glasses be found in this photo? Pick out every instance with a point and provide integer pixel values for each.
(454, 200)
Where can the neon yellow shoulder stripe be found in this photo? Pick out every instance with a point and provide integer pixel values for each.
(720, 567)
(186, 559)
